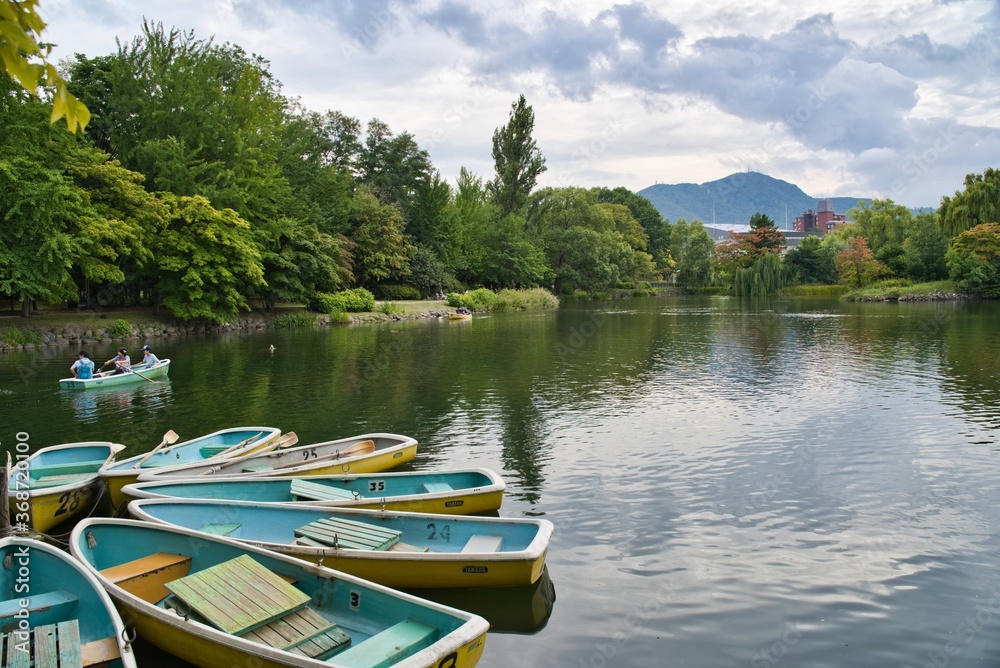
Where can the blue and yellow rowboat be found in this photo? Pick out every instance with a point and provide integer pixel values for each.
(54, 612)
(218, 603)
(58, 483)
(454, 492)
(215, 446)
(367, 453)
(406, 550)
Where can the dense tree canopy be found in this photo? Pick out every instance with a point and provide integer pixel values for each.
(979, 203)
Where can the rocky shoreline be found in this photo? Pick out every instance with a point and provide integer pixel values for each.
(81, 335)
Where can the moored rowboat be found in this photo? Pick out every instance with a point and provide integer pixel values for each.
(392, 548)
(367, 453)
(457, 492)
(56, 610)
(215, 446)
(140, 373)
(215, 602)
(58, 483)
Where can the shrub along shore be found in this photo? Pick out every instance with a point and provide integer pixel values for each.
(85, 328)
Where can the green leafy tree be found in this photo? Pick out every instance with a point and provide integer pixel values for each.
(974, 260)
(857, 266)
(657, 229)
(516, 158)
(692, 249)
(979, 203)
(924, 249)
(393, 166)
(885, 225)
(123, 216)
(203, 256)
(381, 253)
(39, 204)
(811, 262)
(25, 58)
(765, 277)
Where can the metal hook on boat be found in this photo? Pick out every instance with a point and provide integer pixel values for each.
(346, 468)
(127, 637)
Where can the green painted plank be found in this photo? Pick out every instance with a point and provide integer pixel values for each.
(45, 647)
(69, 645)
(437, 487)
(18, 650)
(386, 648)
(342, 540)
(65, 468)
(350, 534)
(313, 491)
(238, 595)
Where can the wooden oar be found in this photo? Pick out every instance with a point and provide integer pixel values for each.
(359, 448)
(239, 445)
(285, 441)
(170, 437)
(148, 380)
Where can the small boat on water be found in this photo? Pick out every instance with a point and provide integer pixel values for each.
(461, 313)
(217, 603)
(367, 453)
(458, 492)
(58, 614)
(392, 548)
(171, 454)
(58, 483)
(140, 373)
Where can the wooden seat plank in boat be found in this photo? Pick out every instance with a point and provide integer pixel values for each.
(437, 487)
(148, 576)
(49, 646)
(306, 490)
(348, 534)
(303, 632)
(238, 595)
(59, 603)
(481, 543)
(65, 468)
(386, 648)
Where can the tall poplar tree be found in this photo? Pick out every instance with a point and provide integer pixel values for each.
(516, 158)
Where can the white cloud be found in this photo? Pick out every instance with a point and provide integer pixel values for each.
(872, 99)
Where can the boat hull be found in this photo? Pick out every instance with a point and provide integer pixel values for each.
(439, 548)
(48, 588)
(127, 471)
(41, 507)
(458, 492)
(360, 608)
(326, 458)
(156, 372)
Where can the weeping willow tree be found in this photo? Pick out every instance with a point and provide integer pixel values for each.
(764, 277)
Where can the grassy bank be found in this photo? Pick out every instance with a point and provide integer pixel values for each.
(898, 290)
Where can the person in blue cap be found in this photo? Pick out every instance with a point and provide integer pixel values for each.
(148, 358)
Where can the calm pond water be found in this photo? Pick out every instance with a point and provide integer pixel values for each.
(791, 483)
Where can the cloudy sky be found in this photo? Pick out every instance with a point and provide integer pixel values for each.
(894, 99)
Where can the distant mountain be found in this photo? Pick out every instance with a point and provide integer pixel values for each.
(736, 198)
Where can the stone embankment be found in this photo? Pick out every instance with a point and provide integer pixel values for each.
(22, 335)
(932, 297)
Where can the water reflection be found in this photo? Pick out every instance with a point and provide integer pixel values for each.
(119, 403)
(520, 610)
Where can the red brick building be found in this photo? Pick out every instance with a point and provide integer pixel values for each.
(821, 221)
